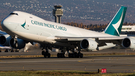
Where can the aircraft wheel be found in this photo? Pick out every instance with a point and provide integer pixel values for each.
(48, 55)
(43, 52)
(12, 50)
(60, 55)
(77, 55)
(6, 50)
(71, 55)
(81, 55)
(45, 56)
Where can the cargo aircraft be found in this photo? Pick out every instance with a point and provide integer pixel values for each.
(24, 27)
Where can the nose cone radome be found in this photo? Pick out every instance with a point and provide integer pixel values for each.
(5, 25)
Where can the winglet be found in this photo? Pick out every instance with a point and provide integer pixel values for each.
(114, 27)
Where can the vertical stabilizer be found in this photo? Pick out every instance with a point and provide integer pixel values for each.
(114, 27)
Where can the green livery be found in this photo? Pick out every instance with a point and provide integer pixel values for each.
(114, 27)
(23, 25)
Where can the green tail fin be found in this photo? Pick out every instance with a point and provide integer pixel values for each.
(114, 27)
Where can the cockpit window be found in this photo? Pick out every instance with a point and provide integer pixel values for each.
(13, 14)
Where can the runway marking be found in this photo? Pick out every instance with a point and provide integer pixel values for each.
(79, 61)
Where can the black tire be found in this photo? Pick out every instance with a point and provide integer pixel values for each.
(62, 55)
(12, 50)
(43, 52)
(44, 56)
(58, 56)
(73, 55)
(69, 55)
(6, 50)
(81, 55)
(48, 55)
(77, 55)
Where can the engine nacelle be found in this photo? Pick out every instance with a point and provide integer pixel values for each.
(129, 42)
(4, 40)
(17, 44)
(89, 44)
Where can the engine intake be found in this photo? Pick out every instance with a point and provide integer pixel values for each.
(4, 40)
(89, 44)
(18, 44)
(126, 42)
(129, 42)
(84, 44)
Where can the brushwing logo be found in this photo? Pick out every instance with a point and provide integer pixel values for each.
(116, 26)
(23, 25)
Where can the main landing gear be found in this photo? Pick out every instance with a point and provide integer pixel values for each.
(75, 54)
(70, 55)
(46, 53)
(63, 54)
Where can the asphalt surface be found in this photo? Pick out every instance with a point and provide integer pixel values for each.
(113, 64)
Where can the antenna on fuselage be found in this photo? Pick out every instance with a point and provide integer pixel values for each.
(57, 13)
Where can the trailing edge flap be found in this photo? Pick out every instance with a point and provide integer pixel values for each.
(60, 38)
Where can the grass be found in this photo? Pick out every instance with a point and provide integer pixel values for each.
(60, 73)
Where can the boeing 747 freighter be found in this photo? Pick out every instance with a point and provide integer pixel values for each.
(25, 27)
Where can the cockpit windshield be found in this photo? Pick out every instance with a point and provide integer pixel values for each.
(13, 14)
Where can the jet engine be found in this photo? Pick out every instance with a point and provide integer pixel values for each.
(4, 40)
(129, 42)
(17, 43)
(89, 44)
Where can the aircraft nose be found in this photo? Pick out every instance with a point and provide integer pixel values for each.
(4, 24)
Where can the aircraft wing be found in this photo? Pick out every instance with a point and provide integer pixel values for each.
(61, 38)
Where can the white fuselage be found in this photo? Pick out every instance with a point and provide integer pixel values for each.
(33, 28)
